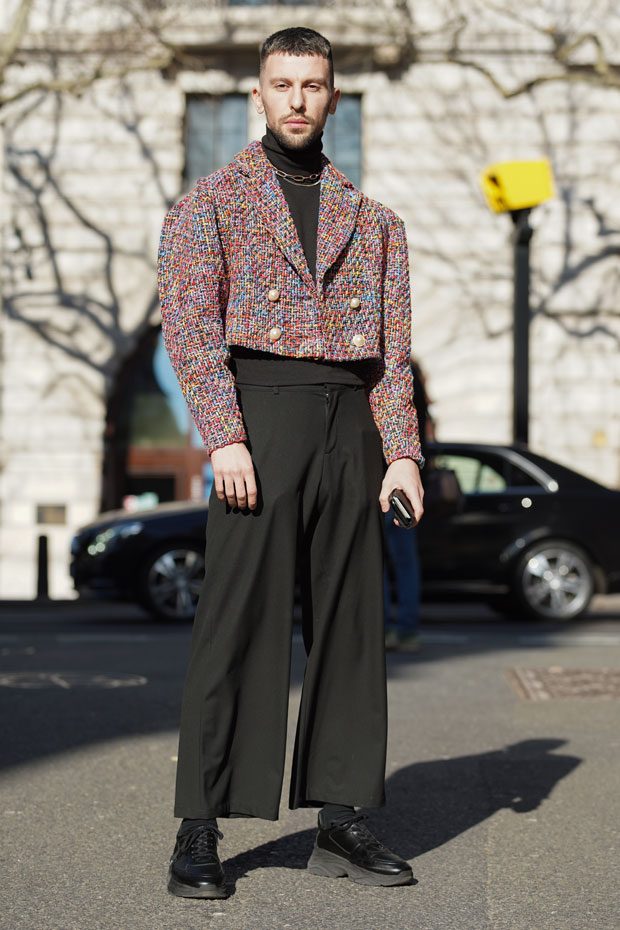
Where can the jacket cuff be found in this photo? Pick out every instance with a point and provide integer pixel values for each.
(411, 451)
(220, 442)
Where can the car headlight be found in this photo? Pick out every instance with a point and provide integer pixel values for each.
(106, 539)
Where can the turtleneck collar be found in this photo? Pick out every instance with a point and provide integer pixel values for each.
(295, 161)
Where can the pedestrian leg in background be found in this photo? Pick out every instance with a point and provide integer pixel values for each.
(401, 548)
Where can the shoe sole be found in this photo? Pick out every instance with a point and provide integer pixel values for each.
(329, 865)
(181, 890)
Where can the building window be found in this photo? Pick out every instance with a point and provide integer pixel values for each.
(216, 128)
(342, 137)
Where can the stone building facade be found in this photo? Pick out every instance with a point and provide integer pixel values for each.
(86, 180)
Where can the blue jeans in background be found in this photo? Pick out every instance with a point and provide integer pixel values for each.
(402, 551)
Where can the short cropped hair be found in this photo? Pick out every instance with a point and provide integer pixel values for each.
(298, 40)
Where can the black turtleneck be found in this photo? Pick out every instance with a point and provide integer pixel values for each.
(295, 161)
(303, 201)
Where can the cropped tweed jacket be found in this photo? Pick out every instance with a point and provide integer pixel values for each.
(231, 270)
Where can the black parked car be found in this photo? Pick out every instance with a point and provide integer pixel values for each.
(530, 537)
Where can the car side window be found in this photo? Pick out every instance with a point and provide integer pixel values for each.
(488, 474)
(473, 475)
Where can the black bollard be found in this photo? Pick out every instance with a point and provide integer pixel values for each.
(42, 569)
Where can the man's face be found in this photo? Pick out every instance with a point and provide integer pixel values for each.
(295, 95)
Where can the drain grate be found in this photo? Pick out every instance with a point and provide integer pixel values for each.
(556, 683)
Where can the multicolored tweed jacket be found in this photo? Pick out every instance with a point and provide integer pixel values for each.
(231, 270)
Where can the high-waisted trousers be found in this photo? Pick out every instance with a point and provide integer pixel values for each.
(318, 526)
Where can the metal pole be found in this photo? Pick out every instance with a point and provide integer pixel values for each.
(522, 234)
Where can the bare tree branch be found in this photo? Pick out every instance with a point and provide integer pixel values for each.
(15, 35)
(78, 85)
(600, 73)
(107, 54)
(573, 74)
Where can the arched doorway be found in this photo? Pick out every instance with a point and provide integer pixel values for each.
(153, 452)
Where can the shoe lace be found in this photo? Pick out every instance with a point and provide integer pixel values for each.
(361, 830)
(201, 843)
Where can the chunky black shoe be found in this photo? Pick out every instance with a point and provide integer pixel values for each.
(351, 850)
(195, 869)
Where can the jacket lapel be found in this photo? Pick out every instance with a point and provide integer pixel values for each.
(338, 206)
(338, 209)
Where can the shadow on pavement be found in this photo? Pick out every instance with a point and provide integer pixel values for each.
(430, 803)
(44, 713)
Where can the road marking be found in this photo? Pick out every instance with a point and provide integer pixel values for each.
(30, 681)
(103, 637)
(81, 637)
(570, 639)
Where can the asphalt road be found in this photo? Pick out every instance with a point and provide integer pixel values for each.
(507, 808)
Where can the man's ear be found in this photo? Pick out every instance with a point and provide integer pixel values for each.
(258, 100)
(334, 100)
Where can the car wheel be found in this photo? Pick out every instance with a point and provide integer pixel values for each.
(171, 580)
(554, 580)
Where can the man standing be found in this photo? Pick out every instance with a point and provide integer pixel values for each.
(285, 304)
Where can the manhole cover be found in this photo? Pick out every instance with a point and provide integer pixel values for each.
(32, 681)
(545, 684)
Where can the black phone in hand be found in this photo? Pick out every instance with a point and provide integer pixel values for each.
(402, 508)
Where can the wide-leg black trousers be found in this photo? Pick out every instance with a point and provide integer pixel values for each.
(319, 467)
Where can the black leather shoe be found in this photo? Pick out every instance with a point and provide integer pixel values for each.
(351, 850)
(195, 869)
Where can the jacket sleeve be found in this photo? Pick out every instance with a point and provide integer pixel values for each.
(193, 291)
(390, 391)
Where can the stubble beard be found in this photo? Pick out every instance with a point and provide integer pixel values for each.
(297, 142)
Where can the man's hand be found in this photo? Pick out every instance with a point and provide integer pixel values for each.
(233, 475)
(403, 474)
